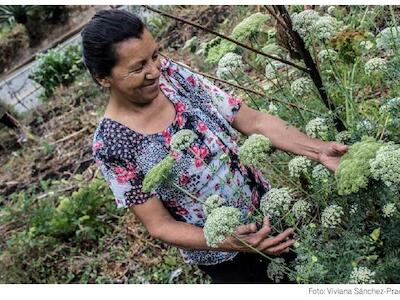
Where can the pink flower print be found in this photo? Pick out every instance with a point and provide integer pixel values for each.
(170, 71)
(164, 88)
(180, 120)
(97, 146)
(184, 179)
(233, 101)
(200, 154)
(182, 211)
(191, 80)
(167, 136)
(119, 170)
(180, 107)
(202, 127)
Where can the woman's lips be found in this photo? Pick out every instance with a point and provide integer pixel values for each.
(152, 85)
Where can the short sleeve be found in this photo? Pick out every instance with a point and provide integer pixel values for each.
(122, 177)
(226, 104)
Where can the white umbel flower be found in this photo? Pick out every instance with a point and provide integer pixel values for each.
(320, 173)
(211, 203)
(386, 165)
(391, 106)
(325, 27)
(375, 66)
(331, 216)
(301, 209)
(343, 137)
(328, 55)
(362, 275)
(301, 87)
(331, 10)
(389, 210)
(220, 224)
(275, 202)
(318, 128)
(299, 165)
(388, 39)
(230, 63)
(303, 22)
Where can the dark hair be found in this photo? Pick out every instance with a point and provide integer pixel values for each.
(99, 36)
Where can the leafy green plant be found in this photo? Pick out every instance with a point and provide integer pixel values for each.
(57, 66)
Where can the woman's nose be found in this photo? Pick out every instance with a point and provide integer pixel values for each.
(154, 71)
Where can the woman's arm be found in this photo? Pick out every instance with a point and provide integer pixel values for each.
(163, 226)
(288, 138)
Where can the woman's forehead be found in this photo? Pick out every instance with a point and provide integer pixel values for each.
(135, 50)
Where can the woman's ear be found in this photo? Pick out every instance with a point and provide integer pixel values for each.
(104, 82)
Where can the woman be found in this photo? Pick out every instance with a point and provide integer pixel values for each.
(151, 98)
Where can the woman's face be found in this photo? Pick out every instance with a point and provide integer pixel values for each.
(135, 76)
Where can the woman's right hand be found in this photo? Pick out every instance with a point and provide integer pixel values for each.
(259, 239)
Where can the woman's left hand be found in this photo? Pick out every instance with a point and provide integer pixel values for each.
(330, 154)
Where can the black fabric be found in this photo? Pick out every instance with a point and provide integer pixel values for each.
(244, 268)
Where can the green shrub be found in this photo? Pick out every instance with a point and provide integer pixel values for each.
(56, 67)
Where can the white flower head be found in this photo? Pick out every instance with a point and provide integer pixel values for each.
(366, 45)
(275, 202)
(331, 216)
(389, 210)
(343, 137)
(254, 151)
(301, 87)
(320, 173)
(303, 22)
(331, 10)
(391, 106)
(230, 64)
(353, 208)
(301, 209)
(221, 223)
(328, 55)
(182, 139)
(376, 66)
(325, 27)
(389, 38)
(211, 203)
(386, 165)
(299, 165)
(362, 275)
(318, 128)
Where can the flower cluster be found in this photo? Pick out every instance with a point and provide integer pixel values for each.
(254, 151)
(389, 210)
(230, 63)
(158, 174)
(389, 38)
(318, 128)
(354, 169)
(301, 87)
(299, 165)
(386, 165)
(353, 208)
(343, 137)
(303, 22)
(325, 27)
(366, 45)
(362, 275)
(275, 202)
(327, 55)
(301, 209)
(391, 107)
(249, 26)
(211, 203)
(220, 224)
(365, 126)
(375, 66)
(331, 216)
(331, 10)
(276, 269)
(182, 139)
(320, 173)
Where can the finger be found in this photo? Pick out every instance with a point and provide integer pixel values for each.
(265, 230)
(341, 148)
(246, 229)
(273, 241)
(281, 247)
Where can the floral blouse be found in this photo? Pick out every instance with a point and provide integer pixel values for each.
(210, 166)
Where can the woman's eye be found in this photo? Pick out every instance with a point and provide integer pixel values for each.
(137, 70)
